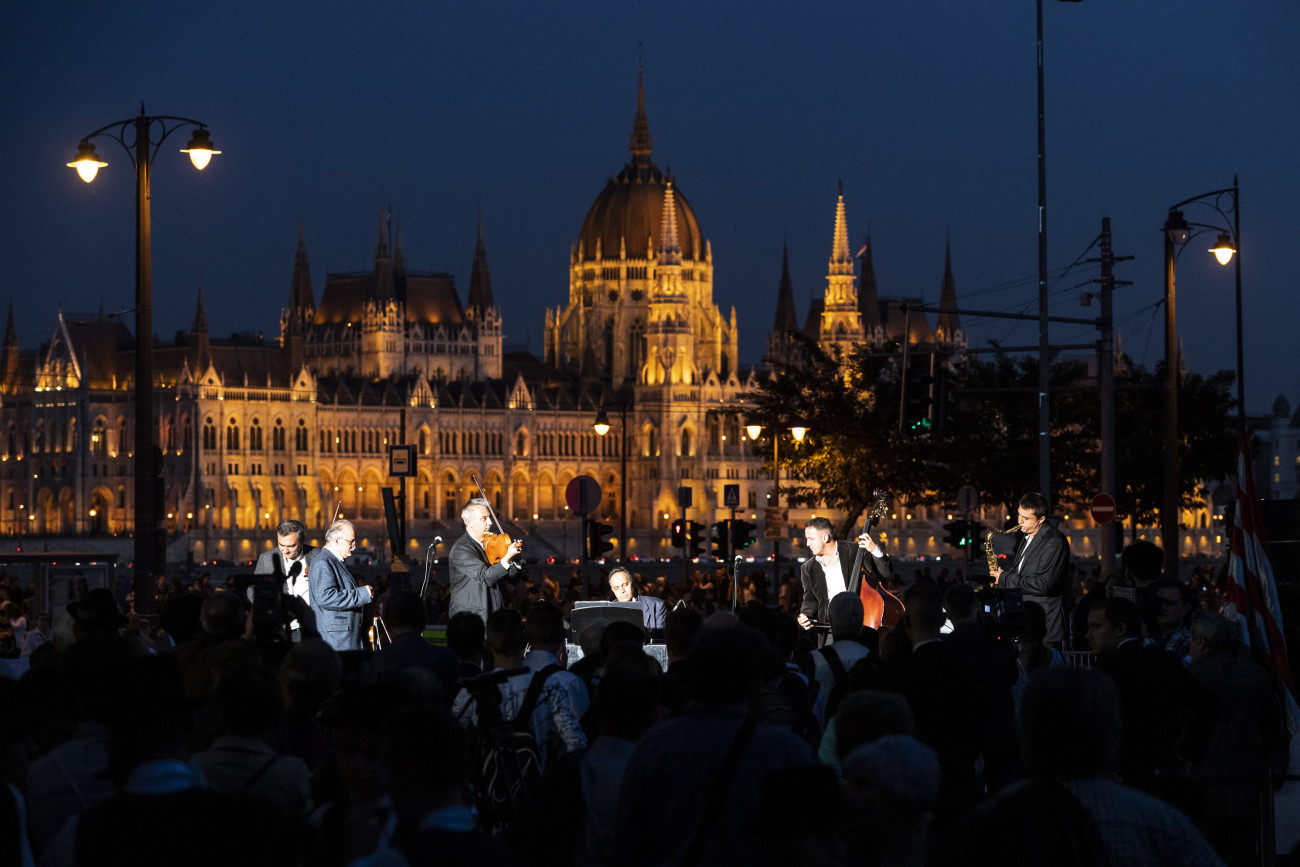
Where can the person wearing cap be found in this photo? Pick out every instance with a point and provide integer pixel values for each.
(96, 613)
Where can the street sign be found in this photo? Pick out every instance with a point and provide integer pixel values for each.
(774, 521)
(731, 496)
(1103, 508)
(684, 496)
(401, 461)
(582, 495)
(968, 499)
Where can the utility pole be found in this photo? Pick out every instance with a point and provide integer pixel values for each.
(1106, 386)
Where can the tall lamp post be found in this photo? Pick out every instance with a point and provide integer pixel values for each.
(1044, 341)
(141, 137)
(1177, 232)
(754, 431)
(601, 425)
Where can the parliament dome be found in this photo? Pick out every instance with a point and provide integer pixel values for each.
(628, 213)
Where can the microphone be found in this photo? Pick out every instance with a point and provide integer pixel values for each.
(739, 559)
(437, 540)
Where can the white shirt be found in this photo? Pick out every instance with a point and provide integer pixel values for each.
(1029, 540)
(834, 578)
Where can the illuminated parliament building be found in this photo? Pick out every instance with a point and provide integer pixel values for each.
(256, 430)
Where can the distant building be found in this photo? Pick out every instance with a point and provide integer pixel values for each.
(255, 430)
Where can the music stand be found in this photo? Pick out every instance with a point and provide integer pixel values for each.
(585, 612)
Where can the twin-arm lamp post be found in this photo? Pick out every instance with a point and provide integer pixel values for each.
(1177, 232)
(602, 426)
(798, 432)
(141, 137)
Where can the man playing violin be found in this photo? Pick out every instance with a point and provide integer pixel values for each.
(474, 578)
(827, 572)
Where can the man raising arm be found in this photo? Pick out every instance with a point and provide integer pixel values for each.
(473, 579)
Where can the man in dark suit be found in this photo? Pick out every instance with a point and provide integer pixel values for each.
(652, 608)
(1040, 566)
(827, 571)
(289, 561)
(336, 600)
(473, 579)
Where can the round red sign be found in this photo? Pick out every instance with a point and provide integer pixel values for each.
(1103, 508)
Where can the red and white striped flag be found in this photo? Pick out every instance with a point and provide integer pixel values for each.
(1254, 592)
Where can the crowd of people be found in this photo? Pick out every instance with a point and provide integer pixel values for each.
(201, 736)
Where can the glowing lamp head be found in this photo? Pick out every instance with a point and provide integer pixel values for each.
(1223, 249)
(753, 430)
(87, 162)
(200, 148)
(602, 423)
(799, 433)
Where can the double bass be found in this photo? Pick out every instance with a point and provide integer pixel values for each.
(880, 608)
(495, 545)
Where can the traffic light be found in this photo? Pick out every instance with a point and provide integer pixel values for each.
(679, 534)
(918, 395)
(742, 534)
(721, 539)
(955, 533)
(945, 412)
(695, 539)
(597, 543)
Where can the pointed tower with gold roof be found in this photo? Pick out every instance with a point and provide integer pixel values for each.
(841, 320)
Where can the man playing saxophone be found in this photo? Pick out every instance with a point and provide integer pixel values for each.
(1040, 565)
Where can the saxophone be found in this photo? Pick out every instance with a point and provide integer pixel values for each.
(988, 545)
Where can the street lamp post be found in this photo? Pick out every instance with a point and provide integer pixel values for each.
(1044, 341)
(601, 426)
(141, 137)
(1177, 231)
(798, 432)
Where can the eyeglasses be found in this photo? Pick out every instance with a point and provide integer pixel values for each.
(352, 543)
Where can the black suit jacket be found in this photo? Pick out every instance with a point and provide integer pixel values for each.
(1043, 577)
(473, 580)
(816, 600)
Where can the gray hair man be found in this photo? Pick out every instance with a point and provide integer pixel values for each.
(336, 599)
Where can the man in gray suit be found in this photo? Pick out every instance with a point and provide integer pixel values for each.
(336, 600)
(473, 579)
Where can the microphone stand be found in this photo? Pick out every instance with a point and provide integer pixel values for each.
(425, 586)
(735, 583)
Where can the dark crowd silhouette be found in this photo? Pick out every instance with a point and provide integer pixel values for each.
(956, 737)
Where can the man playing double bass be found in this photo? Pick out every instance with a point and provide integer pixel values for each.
(474, 579)
(827, 572)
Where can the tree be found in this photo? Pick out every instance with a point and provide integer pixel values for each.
(851, 406)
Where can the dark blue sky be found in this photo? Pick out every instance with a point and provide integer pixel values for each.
(332, 111)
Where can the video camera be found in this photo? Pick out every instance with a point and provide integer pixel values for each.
(1002, 610)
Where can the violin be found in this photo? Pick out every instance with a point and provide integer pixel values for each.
(495, 545)
(880, 608)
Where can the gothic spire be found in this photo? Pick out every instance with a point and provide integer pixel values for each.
(300, 295)
(670, 251)
(200, 325)
(480, 278)
(868, 293)
(11, 336)
(383, 286)
(640, 139)
(948, 324)
(840, 243)
(786, 317)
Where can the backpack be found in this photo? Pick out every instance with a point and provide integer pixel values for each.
(856, 678)
(506, 764)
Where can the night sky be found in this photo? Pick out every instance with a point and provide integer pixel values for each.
(332, 112)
